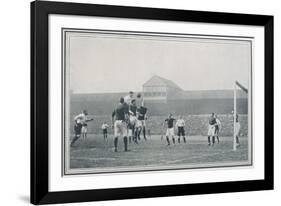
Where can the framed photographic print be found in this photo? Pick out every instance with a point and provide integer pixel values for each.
(130, 102)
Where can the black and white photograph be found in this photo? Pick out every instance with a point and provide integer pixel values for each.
(136, 101)
(132, 102)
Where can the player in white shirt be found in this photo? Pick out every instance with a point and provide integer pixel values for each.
(128, 99)
(211, 129)
(80, 121)
(104, 128)
(180, 124)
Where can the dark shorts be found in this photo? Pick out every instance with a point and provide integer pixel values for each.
(77, 129)
(104, 131)
(181, 131)
(217, 129)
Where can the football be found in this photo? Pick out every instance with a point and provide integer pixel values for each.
(139, 95)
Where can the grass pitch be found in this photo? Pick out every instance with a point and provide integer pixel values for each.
(96, 154)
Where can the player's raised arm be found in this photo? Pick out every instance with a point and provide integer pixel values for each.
(89, 119)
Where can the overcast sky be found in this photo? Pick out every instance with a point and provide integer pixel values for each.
(99, 64)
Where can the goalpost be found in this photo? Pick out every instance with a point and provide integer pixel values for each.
(237, 85)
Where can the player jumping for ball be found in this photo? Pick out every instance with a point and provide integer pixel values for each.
(80, 121)
(170, 129)
(141, 116)
(128, 99)
(211, 129)
(132, 121)
(180, 124)
(119, 119)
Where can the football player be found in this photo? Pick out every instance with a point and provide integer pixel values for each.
(132, 121)
(180, 125)
(211, 129)
(80, 121)
(170, 132)
(129, 97)
(237, 127)
(119, 122)
(141, 117)
(104, 128)
(217, 128)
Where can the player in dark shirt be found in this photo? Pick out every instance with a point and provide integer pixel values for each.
(141, 126)
(133, 108)
(237, 127)
(170, 129)
(217, 128)
(132, 121)
(119, 119)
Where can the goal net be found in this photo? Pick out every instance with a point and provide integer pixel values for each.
(238, 87)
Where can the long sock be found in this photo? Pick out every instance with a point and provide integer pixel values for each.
(218, 139)
(167, 138)
(115, 143)
(237, 140)
(76, 137)
(174, 141)
(143, 130)
(135, 136)
(184, 139)
(213, 139)
(130, 140)
(139, 132)
(209, 140)
(125, 144)
(179, 139)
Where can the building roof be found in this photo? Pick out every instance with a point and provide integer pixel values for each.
(111, 97)
(160, 81)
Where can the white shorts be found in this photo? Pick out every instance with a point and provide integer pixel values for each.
(120, 128)
(130, 132)
(140, 123)
(211, 130)
(237, 128)
(133, 120)
(170, 132)
(84, 129)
